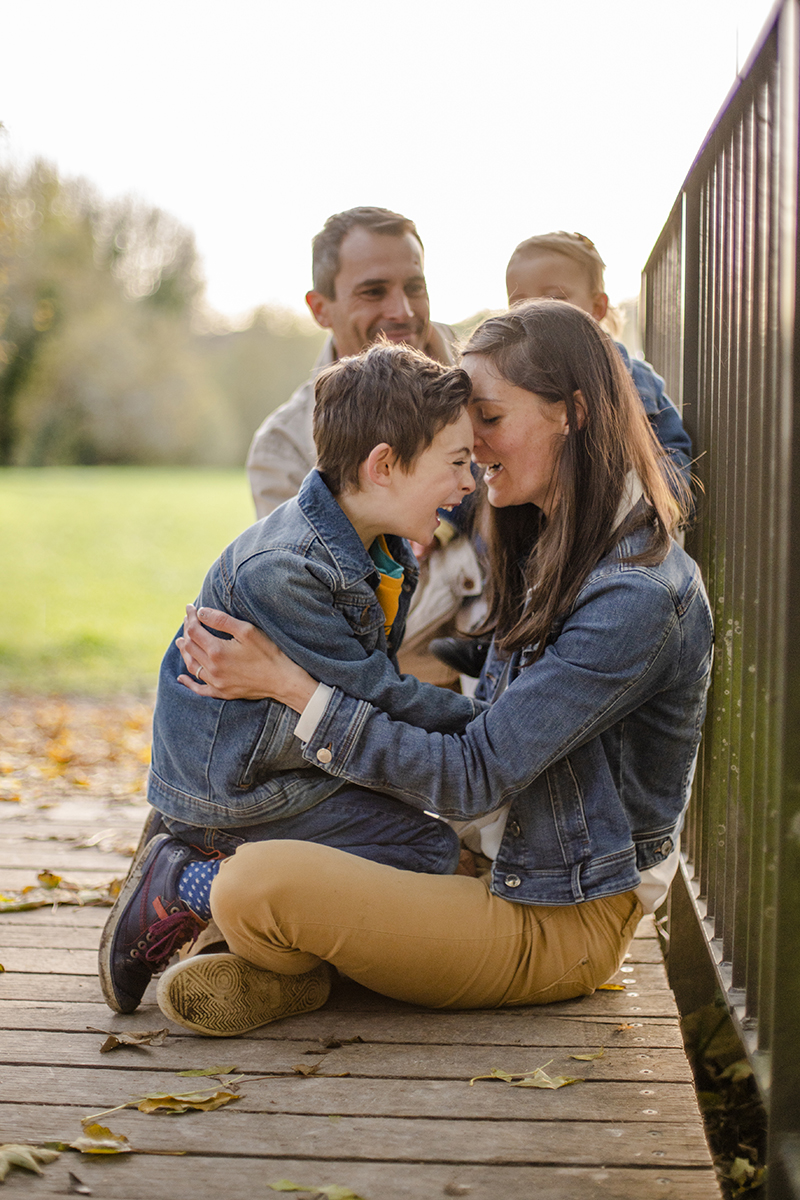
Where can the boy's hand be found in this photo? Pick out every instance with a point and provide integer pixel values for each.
(245, 666)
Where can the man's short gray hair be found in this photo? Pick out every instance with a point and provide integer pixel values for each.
(325, 258)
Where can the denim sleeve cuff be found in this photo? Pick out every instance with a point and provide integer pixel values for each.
(312, 713)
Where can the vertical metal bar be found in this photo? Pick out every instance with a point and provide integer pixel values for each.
(784, 1136)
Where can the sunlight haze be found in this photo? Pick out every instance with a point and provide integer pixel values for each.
(252, 122)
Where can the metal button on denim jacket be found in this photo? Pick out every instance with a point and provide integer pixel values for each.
(303, 576)
(594, 744)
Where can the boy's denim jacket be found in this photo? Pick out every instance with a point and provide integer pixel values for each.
(594, 744)
(303, 576)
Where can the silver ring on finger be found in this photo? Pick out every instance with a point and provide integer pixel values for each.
(199, 672)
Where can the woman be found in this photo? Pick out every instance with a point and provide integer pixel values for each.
(574, 779)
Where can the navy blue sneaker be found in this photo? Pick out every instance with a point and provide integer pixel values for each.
(147, 924)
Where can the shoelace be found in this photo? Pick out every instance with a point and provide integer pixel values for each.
(167, 935)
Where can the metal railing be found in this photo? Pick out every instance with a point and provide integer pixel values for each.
(720, 312)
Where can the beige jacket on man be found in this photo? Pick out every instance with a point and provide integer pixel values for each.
(281, 455)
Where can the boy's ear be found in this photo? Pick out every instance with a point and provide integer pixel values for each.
(599, 306)
(379, 464)
(319, 305)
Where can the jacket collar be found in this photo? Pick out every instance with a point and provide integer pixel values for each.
(336, 532)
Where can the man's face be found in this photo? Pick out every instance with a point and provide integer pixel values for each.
(380, 288)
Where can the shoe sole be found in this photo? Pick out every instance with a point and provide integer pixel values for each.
(107, 937)
(223, 995)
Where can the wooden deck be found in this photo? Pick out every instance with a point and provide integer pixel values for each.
(391, 1115)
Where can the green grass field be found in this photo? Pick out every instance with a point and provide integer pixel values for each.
(98, 564)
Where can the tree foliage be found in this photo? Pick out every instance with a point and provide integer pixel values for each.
(100, 357)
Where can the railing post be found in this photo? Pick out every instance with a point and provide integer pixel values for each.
(784, 1136)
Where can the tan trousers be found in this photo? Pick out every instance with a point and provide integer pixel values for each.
(439, 940)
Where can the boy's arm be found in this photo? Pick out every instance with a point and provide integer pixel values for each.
(292, 601)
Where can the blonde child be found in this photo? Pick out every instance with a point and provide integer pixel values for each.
(567, 266)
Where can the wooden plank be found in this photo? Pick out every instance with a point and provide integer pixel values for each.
(578, 1143)
(388, 1061)
(501, 1027)
(104, 1087)
(201, 1178)
(648, 980)
(615, 1006)
(36, 855)
(50, 919)
(67, 937)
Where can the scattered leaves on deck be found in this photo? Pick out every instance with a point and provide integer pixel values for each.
(27, 1157)
(610, 987)
(77, 1186)
(589, 1057)
(50, 896)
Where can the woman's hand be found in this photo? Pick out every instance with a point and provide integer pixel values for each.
(247, 667)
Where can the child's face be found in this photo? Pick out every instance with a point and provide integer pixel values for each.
(440, 477)
(553, 276)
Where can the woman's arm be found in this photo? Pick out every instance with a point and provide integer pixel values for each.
(244, 666)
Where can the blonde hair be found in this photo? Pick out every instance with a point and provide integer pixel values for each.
(582, 251)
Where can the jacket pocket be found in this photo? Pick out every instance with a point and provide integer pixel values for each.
(275, 749)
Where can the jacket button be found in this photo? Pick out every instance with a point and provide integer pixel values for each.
(513, 881)
(324, 755)
(514, 829)
(666, 847)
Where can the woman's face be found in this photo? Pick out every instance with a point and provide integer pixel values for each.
(518, 437)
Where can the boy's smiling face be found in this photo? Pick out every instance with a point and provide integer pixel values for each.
(440, 477)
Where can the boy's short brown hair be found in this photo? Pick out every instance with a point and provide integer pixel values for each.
(391, 394)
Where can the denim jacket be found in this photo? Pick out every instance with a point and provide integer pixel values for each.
(594, 744)
(302, 575)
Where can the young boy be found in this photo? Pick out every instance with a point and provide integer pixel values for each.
(329, 578)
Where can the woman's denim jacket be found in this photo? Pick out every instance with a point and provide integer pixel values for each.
(594, 744)
(303, 576)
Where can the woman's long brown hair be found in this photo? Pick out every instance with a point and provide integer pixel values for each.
(537, 565)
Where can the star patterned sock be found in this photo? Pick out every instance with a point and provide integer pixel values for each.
(194, 886)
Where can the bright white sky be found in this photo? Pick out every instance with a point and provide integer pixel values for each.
(252, 120)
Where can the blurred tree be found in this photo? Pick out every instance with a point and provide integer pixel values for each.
(100, 360)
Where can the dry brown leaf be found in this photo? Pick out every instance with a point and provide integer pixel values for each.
(589, 1057)
(611, 987)
(332, 1191)
(536, 1078)
(224, 1070)
(310, 1069)
(28, 1157)
(540, 1079)
(182, 1102)
(98, 1139)
(152, 1037)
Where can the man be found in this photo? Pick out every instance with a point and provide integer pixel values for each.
(368, 277)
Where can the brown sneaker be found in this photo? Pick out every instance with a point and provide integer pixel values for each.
(223, 995)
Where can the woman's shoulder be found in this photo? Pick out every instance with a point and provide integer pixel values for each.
(676, 574)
